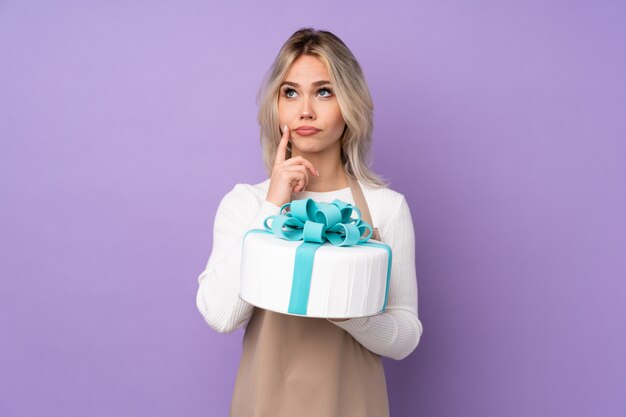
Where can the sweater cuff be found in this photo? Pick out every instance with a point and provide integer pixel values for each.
(357, 324)
(266, 209)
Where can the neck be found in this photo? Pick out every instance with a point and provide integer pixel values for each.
(332, 173)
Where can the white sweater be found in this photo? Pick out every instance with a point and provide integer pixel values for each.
(394, 333)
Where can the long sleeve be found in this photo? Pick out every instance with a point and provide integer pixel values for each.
(396, 332)
(217, 298)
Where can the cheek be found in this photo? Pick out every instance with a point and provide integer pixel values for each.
(285, 111)
(337, 119)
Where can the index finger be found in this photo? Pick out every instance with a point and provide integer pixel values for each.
(281, 152)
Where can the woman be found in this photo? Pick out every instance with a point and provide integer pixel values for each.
(315, 93)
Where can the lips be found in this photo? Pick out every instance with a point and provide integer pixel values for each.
(306, 131)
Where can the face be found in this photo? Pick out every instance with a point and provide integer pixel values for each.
(307, 98)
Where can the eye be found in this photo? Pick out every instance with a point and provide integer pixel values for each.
(328, 90)
(287, 91)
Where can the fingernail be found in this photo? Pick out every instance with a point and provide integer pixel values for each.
(284, 128)
(318, 173)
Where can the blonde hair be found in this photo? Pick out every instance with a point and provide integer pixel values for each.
(350, 89)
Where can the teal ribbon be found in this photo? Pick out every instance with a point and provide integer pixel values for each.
(316, 223)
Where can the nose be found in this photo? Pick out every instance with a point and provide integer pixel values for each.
(307, 110)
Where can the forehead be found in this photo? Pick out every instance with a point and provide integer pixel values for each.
(307, 69)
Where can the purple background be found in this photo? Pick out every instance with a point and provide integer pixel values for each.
(123, 125)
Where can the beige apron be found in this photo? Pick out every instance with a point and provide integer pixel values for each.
(295, 366)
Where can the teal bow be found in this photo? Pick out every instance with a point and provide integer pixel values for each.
(317, 222)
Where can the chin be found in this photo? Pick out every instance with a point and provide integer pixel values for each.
(308, 150)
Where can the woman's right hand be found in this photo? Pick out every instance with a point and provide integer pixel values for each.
(288, 175)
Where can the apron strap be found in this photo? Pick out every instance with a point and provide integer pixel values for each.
(361, 203)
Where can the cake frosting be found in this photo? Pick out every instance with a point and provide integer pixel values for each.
(342, 281)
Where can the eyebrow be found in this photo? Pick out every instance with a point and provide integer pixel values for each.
(314, 84)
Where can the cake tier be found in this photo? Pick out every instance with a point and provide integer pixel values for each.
(346, 282)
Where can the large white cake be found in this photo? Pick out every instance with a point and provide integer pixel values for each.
(343, 282)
